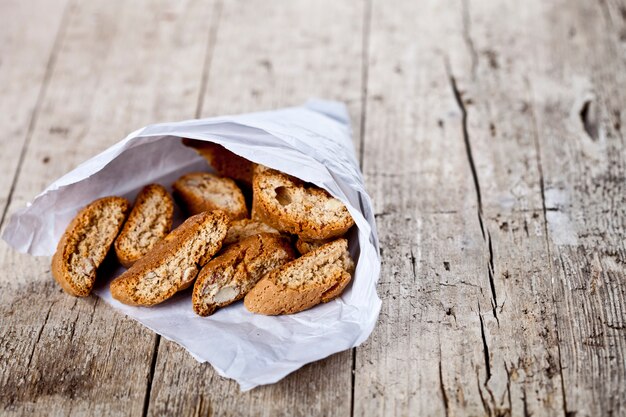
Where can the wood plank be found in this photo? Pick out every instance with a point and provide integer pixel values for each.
(469, 286)
(579, 107)
(417, 173)
(524, 362)
(291, 55)
(536, 126)
(296, 51)
(28, 53)
(120, 65)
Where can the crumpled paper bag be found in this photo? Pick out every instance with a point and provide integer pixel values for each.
(311, 142)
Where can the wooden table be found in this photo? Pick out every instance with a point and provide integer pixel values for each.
(491, 135)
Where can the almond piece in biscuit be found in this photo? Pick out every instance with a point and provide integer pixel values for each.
(223, 161)
(317, 277)
(149, 221)
(228, 277)
(241, 229)
(85, 244)
(201, 191)
(306, 246)
(173, 263)
(293, 206)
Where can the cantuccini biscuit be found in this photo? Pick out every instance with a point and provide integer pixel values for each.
(223, 161)
(291, 205)
(229, 276)
(241, 229)
(149, 221)
(317, 277)
(201, 191)
(85, 244)
(173, 263)
(306, 246)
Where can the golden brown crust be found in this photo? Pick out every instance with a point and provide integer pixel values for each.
(322, 275)
(306, 246)
(289, 205)
(149, 221)
(228, 277)
(223, 161)
(241, 229)
(85, 243)
(173, 263)
(201, 191)
(271, 299)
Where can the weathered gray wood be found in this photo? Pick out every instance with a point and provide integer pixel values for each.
(270, 55)
(417, 173)
(182, 386)
(494, 151)
(28, 53)
(297, 50)
(484, 243)
(501, 139)
(579, 107)
(120, 65)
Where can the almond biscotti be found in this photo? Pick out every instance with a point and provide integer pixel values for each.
(241, 229)
(293, 206)
(85, 244)
(172, 264)
(228, 277)
(149, 221)
(201, 191)
(317, 277)
(223, 161)
(306, 246)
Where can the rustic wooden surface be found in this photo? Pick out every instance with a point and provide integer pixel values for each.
(492, 140)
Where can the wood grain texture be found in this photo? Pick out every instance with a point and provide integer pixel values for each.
(298, 50)
(28, 54)
(506, 252)
(119, 66)
(579, 108)
(493, 146)
(417, 173)
(293, 53)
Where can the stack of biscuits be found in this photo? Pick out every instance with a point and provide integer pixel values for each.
(227, 250)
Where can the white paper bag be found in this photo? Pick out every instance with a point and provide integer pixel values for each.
(310, 142)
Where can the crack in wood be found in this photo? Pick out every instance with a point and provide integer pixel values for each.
(444, 395)
(112, 340)
(480, 394)
(353, 381)
(93, 310)
(45, 321)
(413, 261)
(485, 346)
(198, 412)
(75, 320)
(382, 214)
(470, 158)
(508, 387)
(525, 403)
(153, 362)
(200, 407)
(492, 285)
